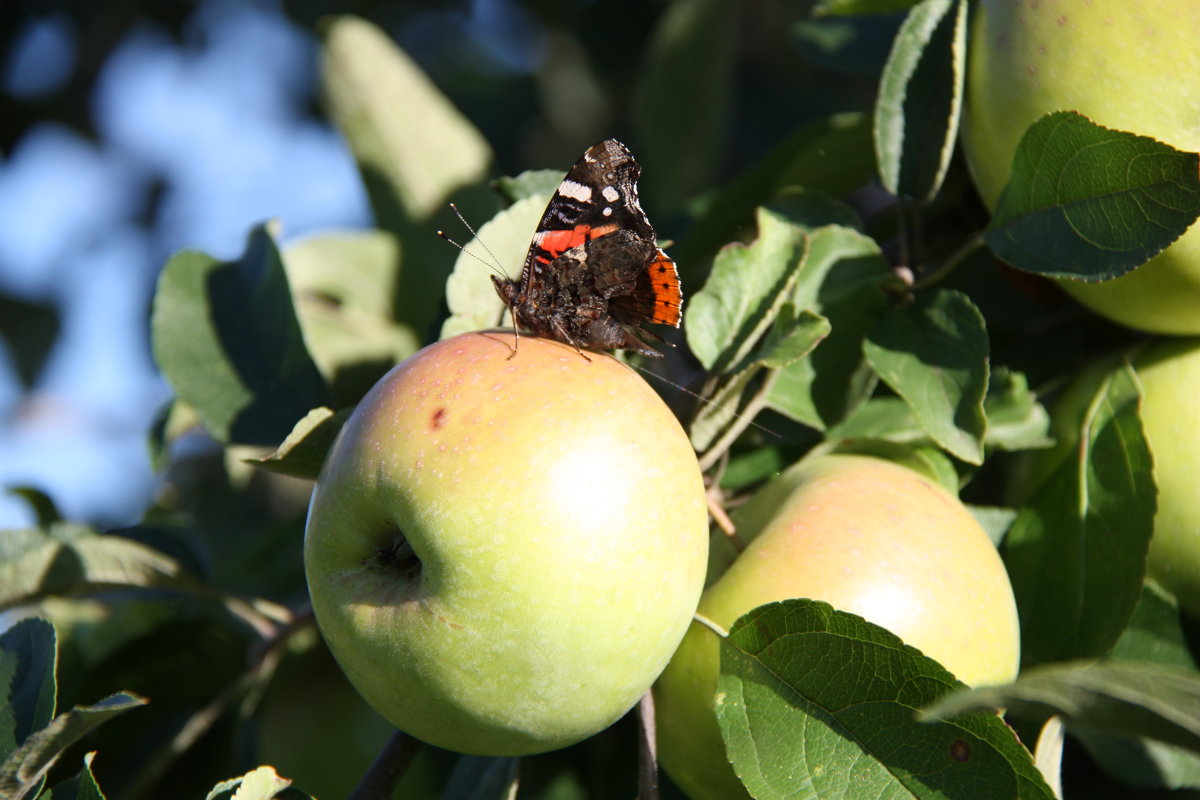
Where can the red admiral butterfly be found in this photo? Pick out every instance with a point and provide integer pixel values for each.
(594, 274)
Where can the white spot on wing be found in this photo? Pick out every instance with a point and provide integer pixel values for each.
(611, 194)
(607, 211)
(575, 191)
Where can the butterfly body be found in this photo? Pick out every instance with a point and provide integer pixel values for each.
(594, 273)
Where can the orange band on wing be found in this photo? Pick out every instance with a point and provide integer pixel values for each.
(668, 294)
(555, 243)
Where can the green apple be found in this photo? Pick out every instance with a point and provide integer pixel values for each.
(866, 536)
(1134, 66)
(503, 553)
(1169, 372)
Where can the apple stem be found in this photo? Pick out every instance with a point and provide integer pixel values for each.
(385, 771)
(712, 626)
(647, 749)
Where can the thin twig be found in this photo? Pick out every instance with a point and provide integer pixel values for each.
(951, 263)
(647, 749)
(743, 420)
(264, 658)
(717, 511)
(385, 771)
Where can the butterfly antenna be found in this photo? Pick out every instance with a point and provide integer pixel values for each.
(498, 266)
(706, 401)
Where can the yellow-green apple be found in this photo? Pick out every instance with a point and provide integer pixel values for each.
(503, 553)
(1169, 372)
(1126, 65)
(866, 536)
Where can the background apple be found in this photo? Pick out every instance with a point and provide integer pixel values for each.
(1169, 371)
(1126, 65)
(503, 553)
(869, 537)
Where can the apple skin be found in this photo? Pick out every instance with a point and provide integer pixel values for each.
(866, 536)
(1125, 65)
(559, 518)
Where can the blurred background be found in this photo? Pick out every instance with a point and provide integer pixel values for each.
(133, 130)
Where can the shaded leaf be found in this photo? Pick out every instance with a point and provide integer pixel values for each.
(481, 778)
(842, 281)
(933, 353)
(343, 285)
(82, 786)
(856, 7)
(303, 451)
(28, 667)
(995, 520)
(1077, 552)
(26, 767)
(1092, 203)
(920, 98)
(69, 559)
(1120, 697)
(44, 508)
(413, 147)
(226, 338)
(683, 99)
(1015, 419)
(1138, 761)
(817, 702)
(1156, 632)
(831, 155)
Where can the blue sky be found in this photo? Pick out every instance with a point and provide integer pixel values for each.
(219, 123)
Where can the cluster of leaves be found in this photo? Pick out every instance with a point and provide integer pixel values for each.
(804, 334)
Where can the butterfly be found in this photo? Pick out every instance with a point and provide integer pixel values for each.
(594, 273)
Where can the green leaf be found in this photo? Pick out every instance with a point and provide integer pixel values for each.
(226, 338)
(831, 8)
(842, 281)
(887, 419)
(412, 146)
(261, 783)
(831, 155)
(683, 99)
(482, 778)
(1141, 761)
(817, 702)
(1092, 203)
(791, 338)
(28, 664)
(68, 559)
(933, 353)
(303, 451)
(1016, 420)
(1155, 633)
(995, 520)
(744, 292)
(541, 183)
(26, 767)
(343, 285)
(1077, 552)
(1119, 697)
(920, 98)
(81, 787)
(43, 505)
(501, 244)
